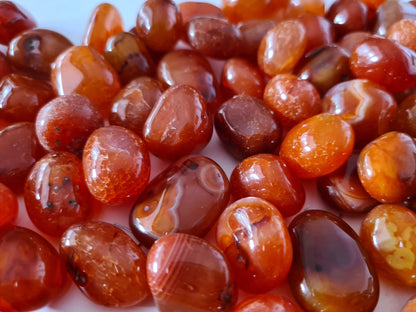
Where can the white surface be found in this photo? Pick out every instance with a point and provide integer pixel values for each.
(70, 18)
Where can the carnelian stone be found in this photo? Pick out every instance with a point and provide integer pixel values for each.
(266, 302)
(331, 269)
(410, 305)
(178, 124)
(191, 9)
(242, 77)
(373, 4)
(159, 24)
(387, 167)
(9, 206)
(12, 21)
(187, 197)
(31, 272)
(318, 146)
(116, 165)
(84, 71)
(392, 65)
(5, 67)
(352, 39)
(34, 50)
(282, 47)
(105, 22)
(388, 233)
(105, 263)
(186, 273)
(129, 57)
(56, 195)
(367, 107)
(316, 7)
(389, 12)
(244, 134)
(343, 191)
(406, 116)
(19, 150)
(190, 68)
(243, 10)
(253, 236)
(21, 97)
(404, 32)
(319, 31)
(267, 176)
(292, 99)
(65, 123)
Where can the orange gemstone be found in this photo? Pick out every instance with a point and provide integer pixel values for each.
(8, 206)
(266, 302)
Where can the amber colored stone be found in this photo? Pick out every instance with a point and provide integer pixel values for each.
(352, 39)
(190, 68)
(392, 65)
(292, 99)
(21, 97)
(84, 71)
(65, 123)
(253, 236)
(282, 47)
(56, 195)
(266, 302)
(343, 191)
(325, 67)
(5, 67)
(33, 51)
(390, 12)
(159, 24)
(134, 102)
(213, 37)
(367, 107)
(406, 116)
(387, 167)
(318, 146)
(105, 22)
(186, 273)
(252, 33)
(105, 263)
(267, 176)
(244, 134)
(191, 9)
(316, 7)
(19, 150)
(404, 32)
(129, 57)
(243, 10)
(331, 269)
(319, 31)
(187, 197)
(116, 165)
(387, 232)
(242, 77)
(31, 272)
(410, 305)
(12, 21)
(178, 124)
(9, 206)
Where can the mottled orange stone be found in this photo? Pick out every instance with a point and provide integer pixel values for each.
(404, 32)
(82, 70)
(266, 302)
(12, 21)
(191, 9)
(9, 205)
(105, 22)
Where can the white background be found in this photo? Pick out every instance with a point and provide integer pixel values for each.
(70, 18)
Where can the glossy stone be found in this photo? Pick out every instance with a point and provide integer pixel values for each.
(105, 263)
(243, 10)
(253, 236)
(129, 57)
(105, 22)
(56, 195)
(331, 270)
(387, 167)
(33, 51)
(390, 12)
(31, 272)
(12, 21)
(185, 273)
(191, 9)
(9, 205)
(267, 176)
(319, 31)
(21, 97)
(406, 116)
(19, 150)
(84, 71)
(367, 107)
(187, 197)
(352, 39)
(387, 232)
(404, 32)
(178, 124)
(5, 66)
(266, 302)
(66, 122)
(116, 165)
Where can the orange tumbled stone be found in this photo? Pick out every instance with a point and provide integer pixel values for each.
(82, 70)
(404, 32)
(266, 302)
(8, 205)
(105, 22)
